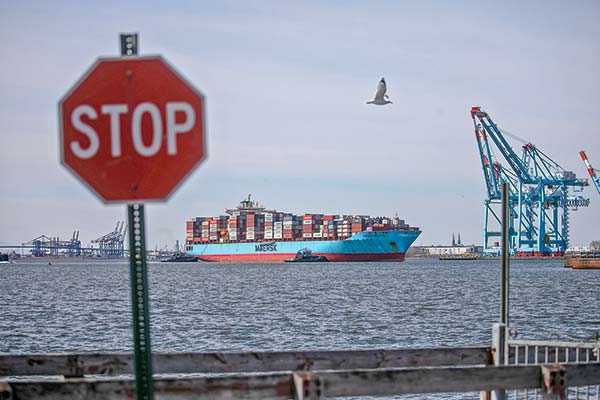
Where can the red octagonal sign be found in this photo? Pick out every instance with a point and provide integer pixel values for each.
(132, 129)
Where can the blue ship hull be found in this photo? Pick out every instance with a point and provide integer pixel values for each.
(389, 245)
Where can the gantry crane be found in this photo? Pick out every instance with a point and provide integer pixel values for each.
(539, 197)
(53, 246)
(591, 170)
(112, 244)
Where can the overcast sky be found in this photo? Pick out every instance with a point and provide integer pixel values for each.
(286, 85)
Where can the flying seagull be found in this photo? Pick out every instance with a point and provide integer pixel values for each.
(380, 97)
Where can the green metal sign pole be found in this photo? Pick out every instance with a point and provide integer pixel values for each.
(139, 299)
(139, 276)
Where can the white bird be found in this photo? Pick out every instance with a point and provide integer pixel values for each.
(380, 98)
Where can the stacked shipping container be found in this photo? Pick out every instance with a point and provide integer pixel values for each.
(254, 224)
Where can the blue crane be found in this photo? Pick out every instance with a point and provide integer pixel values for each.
(539, 199)
(591, 171)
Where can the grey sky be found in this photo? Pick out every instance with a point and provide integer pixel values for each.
(286, 85)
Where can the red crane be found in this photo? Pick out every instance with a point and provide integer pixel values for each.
(591, 170)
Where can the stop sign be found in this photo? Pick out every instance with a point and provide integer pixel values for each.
(132, 129)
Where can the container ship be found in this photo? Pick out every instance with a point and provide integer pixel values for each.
(251, 233)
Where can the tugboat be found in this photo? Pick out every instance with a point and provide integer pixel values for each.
(305, 255)
(180, 257)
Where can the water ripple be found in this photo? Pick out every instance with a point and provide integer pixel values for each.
(85, 305)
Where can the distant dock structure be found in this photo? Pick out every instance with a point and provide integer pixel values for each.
(53, 246)
(111, 245)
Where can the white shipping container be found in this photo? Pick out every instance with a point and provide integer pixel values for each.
(268, 235)
(307, 235)
(287, 223)
(317, 234)
(307, 222)
(278, 223)
(250, 229)
(278, 236)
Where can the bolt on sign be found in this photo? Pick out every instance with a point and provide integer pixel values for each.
(132, 129)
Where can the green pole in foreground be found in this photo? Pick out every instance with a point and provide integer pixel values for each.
(139, 299)
(139, 276)
(505, 252)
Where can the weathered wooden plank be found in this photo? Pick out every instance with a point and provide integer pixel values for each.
(66, 364)
(378, 382)
(429, 380)
(182, 363)
(274, 386)
(581, 375)
(260, 387)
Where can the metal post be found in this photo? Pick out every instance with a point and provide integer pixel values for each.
(499, 348)
(139, 276)
(129, 44)
(499, 330)
(505, 252)
(139, 300)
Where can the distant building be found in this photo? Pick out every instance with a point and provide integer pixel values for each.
(457, 248)
(449, 250)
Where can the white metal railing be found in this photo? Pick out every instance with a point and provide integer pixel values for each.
(535, 352)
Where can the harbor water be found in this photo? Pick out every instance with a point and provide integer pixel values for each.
(84, 305)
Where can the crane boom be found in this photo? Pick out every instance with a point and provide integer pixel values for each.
(591, 170)
(539, 193)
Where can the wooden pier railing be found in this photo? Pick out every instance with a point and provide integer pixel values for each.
(78, 365)
(274, 375)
